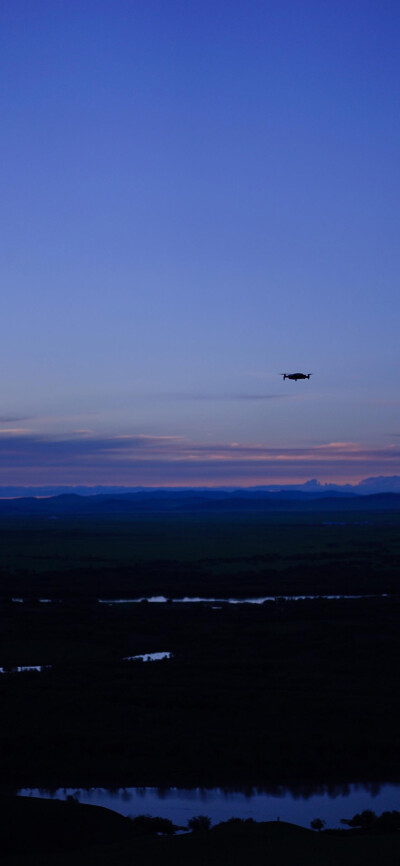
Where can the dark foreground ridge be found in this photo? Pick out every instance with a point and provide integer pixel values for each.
(52, 833)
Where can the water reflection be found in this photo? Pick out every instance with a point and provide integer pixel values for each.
(148, 657)
(162, 599)
(188, 599)
(20, 668)
(298, 803)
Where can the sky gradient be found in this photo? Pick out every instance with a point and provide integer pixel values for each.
(195, 198)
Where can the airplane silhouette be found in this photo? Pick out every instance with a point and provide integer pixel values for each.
(295, 376)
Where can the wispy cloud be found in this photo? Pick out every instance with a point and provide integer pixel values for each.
(217, 398)
(13, 419)
(147, 459)
(13, 431)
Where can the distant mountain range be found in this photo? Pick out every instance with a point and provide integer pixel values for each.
(198, 500)
(378, 484)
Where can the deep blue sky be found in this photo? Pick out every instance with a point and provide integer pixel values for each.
(197, 196)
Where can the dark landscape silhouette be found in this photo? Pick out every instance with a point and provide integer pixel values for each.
(285, 693)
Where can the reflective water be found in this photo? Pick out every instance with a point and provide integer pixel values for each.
(19, 669)
(298, 805)
(41, 600)
(162, 599)
(148, 657)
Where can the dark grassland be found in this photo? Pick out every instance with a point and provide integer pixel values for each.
(296, 693)
(286, 692)
(305, 691)
(222, 554)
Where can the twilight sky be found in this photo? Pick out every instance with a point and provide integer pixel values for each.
(196, 197)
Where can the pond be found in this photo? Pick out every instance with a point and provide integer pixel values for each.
(148, 657)
(21, 668)
(298, 805)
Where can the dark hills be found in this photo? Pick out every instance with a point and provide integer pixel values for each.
(377, 484)
(198, 501)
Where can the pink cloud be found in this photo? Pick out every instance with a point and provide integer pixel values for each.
(168, 460)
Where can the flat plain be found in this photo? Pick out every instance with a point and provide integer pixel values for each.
(285, 692)
(282, 691)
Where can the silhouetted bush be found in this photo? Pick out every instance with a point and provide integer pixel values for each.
(365, 820)
(231, 821)
(317, 824)
(388, 822)
(234, 822)
(199, 823)
(145, 825)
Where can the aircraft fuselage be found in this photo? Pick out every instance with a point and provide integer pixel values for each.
(296, 376)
